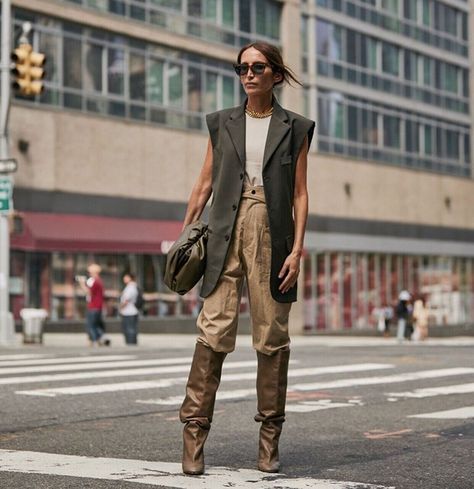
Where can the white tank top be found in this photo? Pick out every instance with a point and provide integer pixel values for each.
(256, 131)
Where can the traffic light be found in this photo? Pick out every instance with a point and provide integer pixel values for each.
(28, 70)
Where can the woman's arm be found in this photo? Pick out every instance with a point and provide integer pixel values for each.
(291, 267)
(201, 191)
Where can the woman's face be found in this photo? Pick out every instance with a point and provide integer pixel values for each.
(255, 85)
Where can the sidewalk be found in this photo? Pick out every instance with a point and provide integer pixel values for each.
(66, 341)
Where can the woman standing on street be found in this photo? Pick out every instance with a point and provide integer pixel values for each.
(255, 167)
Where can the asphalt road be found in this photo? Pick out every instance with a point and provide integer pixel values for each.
(360, 414)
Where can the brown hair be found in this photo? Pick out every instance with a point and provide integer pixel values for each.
(274, 58)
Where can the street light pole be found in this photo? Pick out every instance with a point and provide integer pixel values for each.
(7, 332)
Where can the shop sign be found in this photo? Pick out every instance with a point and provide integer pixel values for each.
(6, 190)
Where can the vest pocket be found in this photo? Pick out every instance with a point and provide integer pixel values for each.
(286, 160)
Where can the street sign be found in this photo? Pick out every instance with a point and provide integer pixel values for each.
(8, 165)
(6, 190)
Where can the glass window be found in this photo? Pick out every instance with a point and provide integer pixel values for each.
(369, 127)
(194, 89)
(49, 45)
(391, 6)
(410, 9)
(412, 136)
(352, 123)
(93, 72)
(210, 9)
(427, 12)
(351, 45)
(72, 62)
(174, 75)
(450, 78)
(331, 117)
(228, 13)
(210, 95)
(428, 140)
(137, 76)
(171, 4)
(115, 70)
(452, 144)
(450, 20)
(244, 15)
(155, 81)
(227, 92)
(411, 66)
(390, 59)
(427, 71)
(329, 40)
(391, 131)
(368, 52)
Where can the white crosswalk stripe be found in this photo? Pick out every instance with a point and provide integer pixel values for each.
(335, 384)
(459, 413)
(22, 356)
(163, 474)
(92, 365)
(129, 386)
(445, 390)
(60, 361)
(111, 373)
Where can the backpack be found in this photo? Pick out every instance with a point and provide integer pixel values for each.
(139, 301)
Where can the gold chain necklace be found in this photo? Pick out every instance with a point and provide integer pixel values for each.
(259, 115)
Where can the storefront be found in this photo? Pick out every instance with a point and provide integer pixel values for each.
(344, 290)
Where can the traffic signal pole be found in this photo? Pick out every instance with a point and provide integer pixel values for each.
(7, 332)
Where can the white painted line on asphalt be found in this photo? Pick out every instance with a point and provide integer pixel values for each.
(92, 365)
(140, 385)
(335, 384)
(101, 388)
(112, 373)
(163, 474)
(312, 406)
(66, 360)
(22, 356)
(388, 379)
(444, 390)
(460, 413)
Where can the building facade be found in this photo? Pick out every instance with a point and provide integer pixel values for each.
(109, 152)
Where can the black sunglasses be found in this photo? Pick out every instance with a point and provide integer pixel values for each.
(256, 68)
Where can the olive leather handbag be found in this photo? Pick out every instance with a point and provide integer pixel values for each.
(186, 259)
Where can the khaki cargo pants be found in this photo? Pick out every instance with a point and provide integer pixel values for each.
(249, 256)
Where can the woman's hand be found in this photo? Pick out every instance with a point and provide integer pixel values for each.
(291, 268)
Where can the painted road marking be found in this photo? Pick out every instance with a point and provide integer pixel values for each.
(380, 434)
(140, 385)
(460, 413)
(66, 360)
(162, 474)
(335, 384)
(54, 361)
(21, 356)
(312, 406)
(92, 365)
(444, 390)
(389, 379)
(111, 373)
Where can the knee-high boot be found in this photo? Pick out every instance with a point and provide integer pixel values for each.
(272, 379)
(198, 406)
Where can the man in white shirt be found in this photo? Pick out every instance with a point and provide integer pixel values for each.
(128, 309)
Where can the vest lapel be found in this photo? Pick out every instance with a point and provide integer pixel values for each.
(276, 131)
(236, 127)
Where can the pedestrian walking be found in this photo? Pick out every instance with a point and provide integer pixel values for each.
(420, 318)
(94, 289)
(403, 314)
(129, 310)
(255, 167)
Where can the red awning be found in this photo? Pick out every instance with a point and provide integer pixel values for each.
(81, 233)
